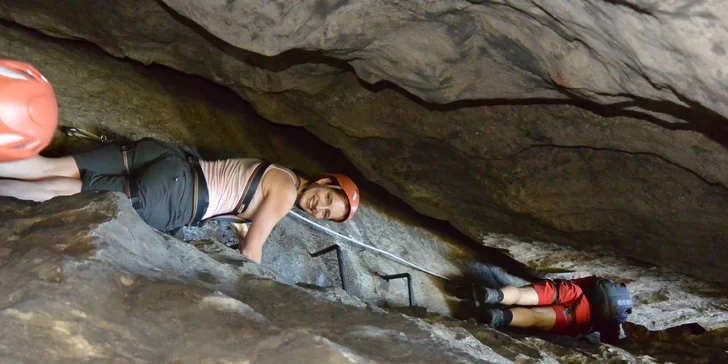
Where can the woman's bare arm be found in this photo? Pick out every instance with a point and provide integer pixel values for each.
(276, 203)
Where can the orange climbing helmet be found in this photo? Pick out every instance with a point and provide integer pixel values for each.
(350, 190)
(28, 111)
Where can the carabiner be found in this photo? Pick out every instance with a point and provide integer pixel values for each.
(80, 133)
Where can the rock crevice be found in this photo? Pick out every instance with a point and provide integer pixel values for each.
(441, 161)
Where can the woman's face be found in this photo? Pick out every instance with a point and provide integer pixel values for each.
(323, 201)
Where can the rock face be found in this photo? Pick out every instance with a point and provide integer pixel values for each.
(639, 187)
(605, 51)
(86, 278)
(89, 280)
(174, 107)
(550, 172)
(379, 223)
(82, 278)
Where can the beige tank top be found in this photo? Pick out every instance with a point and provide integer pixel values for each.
(226, 180)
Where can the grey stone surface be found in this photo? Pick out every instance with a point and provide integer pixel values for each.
(87, 280)
(165, 116)
(448, 51)
(458, 50)
(95, 91)
(649, 189)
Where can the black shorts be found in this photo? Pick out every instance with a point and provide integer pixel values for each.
(160, 172)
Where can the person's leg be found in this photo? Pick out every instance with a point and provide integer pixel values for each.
(104, 161)
(166, 193)
(521, 296)
(561, 297)
(541, 318)
(40, 167)
(40, 190)
(541, 293)
(510, 295)
(109, 160)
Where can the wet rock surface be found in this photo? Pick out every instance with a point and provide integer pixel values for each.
(639, 187)
(89, 280)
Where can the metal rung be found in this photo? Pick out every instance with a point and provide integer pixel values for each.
(476, 303)
(410, 289)
(339, 258)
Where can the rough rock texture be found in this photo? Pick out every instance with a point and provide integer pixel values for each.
(170, 106)
(379, 222)
(82, 278)
(142, 290)
(655, 191)
(608, 51)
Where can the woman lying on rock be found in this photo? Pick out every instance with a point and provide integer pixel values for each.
(166, 187)
(170, 189)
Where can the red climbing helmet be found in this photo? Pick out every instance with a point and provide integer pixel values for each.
(28, 111)
(350, 190)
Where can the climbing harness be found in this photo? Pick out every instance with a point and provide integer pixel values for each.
(78, 132)
(386, 254)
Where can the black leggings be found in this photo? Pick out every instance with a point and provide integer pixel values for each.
(158, 171)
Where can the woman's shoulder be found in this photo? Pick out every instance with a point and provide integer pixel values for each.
(279, 189)
(292, 176)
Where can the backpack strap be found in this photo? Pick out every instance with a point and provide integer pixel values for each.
(245, 198)
(557, 285)
(250, 189)
(572, 311)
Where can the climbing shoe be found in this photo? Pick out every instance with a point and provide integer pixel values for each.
(460, 289)
(488, 296)
(493, 317)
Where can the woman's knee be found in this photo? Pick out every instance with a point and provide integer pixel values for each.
(545, 318)
(65, 186)
(542, 318)
(40, 190)
(65, 167)
(524, 296)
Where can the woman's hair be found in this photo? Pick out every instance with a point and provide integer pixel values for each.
(301, 174)
(313, 178)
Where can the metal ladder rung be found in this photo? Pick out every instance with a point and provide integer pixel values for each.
(339, 258)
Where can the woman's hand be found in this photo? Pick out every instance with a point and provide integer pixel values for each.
(241, 229)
